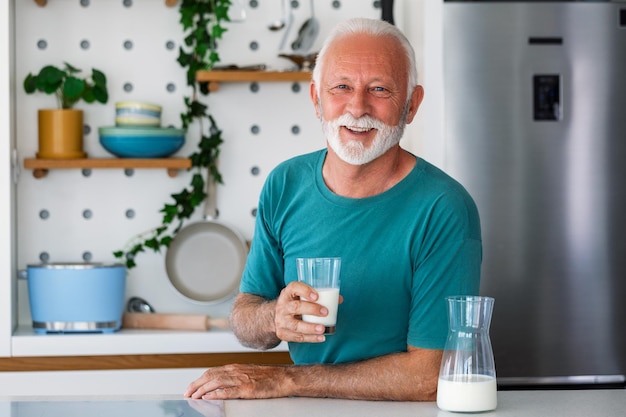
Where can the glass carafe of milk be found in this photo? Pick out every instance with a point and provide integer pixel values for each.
(467, 379)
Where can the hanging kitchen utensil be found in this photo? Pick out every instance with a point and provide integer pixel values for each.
(302, 62)
(205, 260)
(289, 23)
(307, 34)
(138, 305)
(387, 11)
(280, 23)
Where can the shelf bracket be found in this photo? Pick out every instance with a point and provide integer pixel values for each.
(168, 3)
(214, 86)
(40, 173)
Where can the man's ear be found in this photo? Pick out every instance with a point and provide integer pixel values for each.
(416, 99)
(315, 98)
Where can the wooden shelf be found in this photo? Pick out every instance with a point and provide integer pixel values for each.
(215, 77)
(40, 167)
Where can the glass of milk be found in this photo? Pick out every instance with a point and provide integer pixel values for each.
(467, 379)
(322, 274)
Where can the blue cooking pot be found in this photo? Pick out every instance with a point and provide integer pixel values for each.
(76, 297)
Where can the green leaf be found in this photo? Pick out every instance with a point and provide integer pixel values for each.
(73, 88)
(166, 241)
(184, 59)
(99, 79)
(198, 109)
(221, 10)
(197, 181)
(152, 244)
(100, 94)
(50, 79)
(136, 249)
(217, 31)
(70, 69)
(30, 84)
(214, 57)
(88, 94)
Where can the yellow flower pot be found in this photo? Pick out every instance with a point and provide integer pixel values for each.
(60, 134)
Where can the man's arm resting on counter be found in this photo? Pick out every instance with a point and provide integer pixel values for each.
(404, 376)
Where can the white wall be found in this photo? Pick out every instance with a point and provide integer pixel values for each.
(432, 111)
(7, 201)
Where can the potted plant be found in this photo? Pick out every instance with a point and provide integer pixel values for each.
(61, 129)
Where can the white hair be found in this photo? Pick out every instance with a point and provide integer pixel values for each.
(372, 27)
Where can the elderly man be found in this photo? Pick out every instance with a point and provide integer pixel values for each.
(407, 233)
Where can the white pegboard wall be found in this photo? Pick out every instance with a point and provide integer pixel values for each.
(69, 215)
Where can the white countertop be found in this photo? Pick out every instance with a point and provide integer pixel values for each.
(573, 403)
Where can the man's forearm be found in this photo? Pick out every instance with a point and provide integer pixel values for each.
(407, 376)
(252, 321)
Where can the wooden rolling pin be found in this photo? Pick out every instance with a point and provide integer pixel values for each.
(172, 321)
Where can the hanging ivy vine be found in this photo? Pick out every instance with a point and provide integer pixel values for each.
(201, 21)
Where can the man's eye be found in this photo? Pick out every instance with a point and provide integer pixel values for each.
(380, 92)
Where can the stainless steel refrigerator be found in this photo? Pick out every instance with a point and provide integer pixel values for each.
(535, 128)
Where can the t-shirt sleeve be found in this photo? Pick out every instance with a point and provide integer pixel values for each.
(264, 270)
(448, 264)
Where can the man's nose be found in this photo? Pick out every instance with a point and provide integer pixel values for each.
(359, 104)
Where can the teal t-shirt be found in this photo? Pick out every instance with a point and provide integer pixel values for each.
(403, 251)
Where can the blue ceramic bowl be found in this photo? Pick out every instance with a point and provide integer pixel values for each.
(141, 142)
(133, 113)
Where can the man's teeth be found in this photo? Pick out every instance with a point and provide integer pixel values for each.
(359, 129)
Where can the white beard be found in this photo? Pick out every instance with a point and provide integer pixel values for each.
(354, 152)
